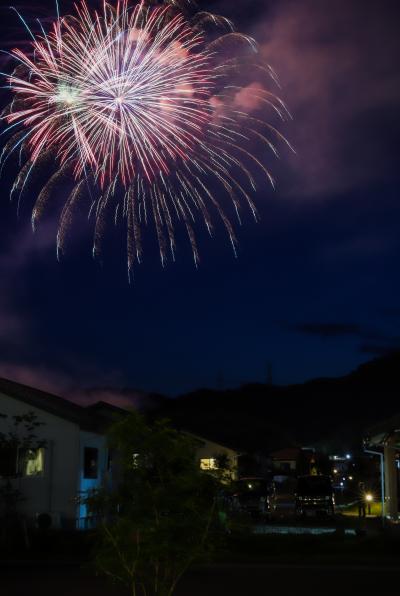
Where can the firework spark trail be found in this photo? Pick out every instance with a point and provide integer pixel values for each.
(136, 101)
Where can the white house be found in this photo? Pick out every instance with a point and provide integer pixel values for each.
(75, 457)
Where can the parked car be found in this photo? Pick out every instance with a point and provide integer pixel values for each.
(314, 495)
(255, 496)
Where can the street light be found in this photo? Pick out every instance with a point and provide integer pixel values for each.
(369, 498)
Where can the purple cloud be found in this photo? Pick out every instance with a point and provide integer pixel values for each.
(337, 65)
(39, 377)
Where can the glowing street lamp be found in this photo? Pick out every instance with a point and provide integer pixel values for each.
(369, 499)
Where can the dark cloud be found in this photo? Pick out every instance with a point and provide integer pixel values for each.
(378, 350)
(325, 330)
(373, 341)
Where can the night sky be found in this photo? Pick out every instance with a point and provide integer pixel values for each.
(315, 289)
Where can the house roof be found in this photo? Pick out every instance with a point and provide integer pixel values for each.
(291, 453)
(53, 404)
(379, 433)
(203, 439)
(106, 413)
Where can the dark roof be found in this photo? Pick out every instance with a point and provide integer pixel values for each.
(53, 404)
(290, 453)
(378, 433)
(106, 413)
(203, 438)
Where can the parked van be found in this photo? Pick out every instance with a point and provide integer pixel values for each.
(255, 496)
(314, 495)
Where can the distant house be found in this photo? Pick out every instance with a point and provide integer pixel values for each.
(210, 455)
(284, 461)
(74, 460)
(293, 461)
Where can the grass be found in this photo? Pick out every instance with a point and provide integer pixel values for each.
(352, 510)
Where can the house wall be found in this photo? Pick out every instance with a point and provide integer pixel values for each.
(55, 490)
(285, 465)
(208, 450)
(391, 478)
(85, 485)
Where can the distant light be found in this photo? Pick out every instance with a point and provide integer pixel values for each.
(369, 497)
(350, 477)
(341, 484)
(335, 470)
(348, 456)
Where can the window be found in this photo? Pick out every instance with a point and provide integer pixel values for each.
(90, 462)
(31, 462)
(209, 463)
(8, 461)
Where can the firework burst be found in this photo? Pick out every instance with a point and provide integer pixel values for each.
(141, 105)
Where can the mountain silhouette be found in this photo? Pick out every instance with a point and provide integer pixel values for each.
(329, 413)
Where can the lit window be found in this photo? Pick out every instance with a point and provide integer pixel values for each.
(209, 463)
(90, 462)
(32, 462)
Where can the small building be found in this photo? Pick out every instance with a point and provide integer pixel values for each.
(73, 460)
(284, 461)
(383, 440)
(293, 461)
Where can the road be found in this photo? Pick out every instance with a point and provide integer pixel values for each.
(219, 580)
